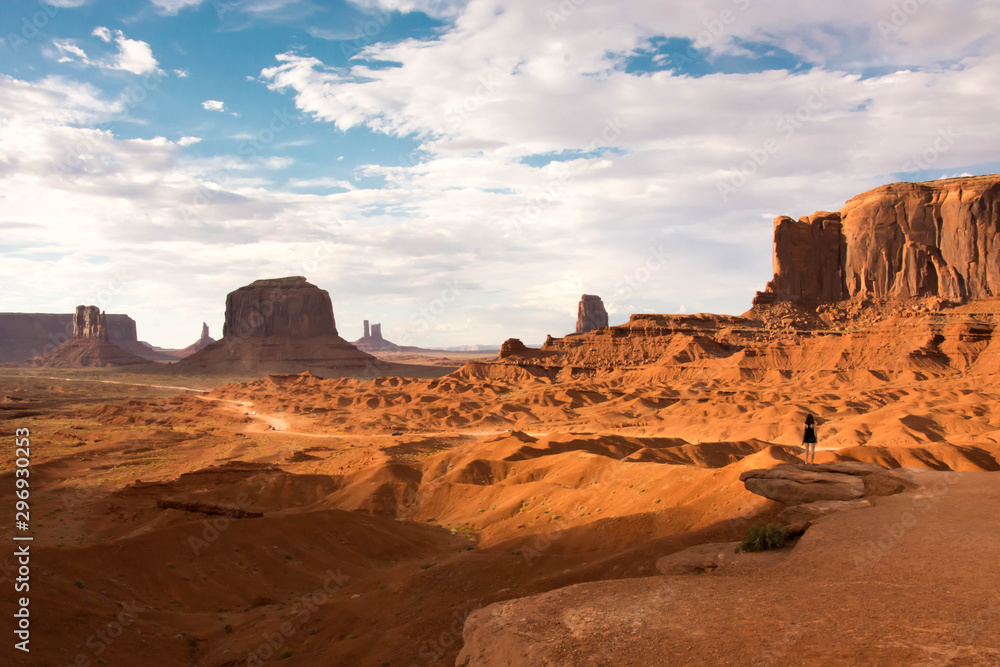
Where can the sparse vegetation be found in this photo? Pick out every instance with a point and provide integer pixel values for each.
(763, 536)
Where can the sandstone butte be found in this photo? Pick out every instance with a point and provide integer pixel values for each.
(89, 346)
(591, 314)
(373, 342)
(27, 335)
(279, 325)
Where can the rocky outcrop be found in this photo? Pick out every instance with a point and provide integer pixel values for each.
(373, 342)
(90, 322)
(27, 335)
(281, 325)
(808, 258)
(812, 491)
(89, 347)
(512, 346)
(204, 341)
(591, 314)
(899, 241)
(279, 307)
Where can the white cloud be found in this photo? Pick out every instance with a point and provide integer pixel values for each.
(181, 73)
(188, 141)
(66, 4)
(172, 7)
(133, 56)
(436, 8)
(213, 105)
(102, 32)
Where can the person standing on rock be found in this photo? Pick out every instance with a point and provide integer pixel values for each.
(809, 439)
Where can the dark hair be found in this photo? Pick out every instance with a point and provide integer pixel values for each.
(810, 420)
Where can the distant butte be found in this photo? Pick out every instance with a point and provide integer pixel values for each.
(89, 347)
(279, 325)
(591, 314)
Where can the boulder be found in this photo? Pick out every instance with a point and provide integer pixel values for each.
(898, 241)
(793, 485)
(815, 490)
(591, 314)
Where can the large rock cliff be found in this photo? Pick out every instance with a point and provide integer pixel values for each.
(899, 241)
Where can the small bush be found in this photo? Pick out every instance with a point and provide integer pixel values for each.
(763, 536)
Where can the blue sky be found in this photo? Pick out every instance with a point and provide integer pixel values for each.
(460, 170)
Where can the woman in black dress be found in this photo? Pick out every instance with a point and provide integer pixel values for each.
(809, 439)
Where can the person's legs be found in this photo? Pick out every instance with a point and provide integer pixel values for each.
(811, 452)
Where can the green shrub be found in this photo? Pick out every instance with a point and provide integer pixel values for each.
(763, 536)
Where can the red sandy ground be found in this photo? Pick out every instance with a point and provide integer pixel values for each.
(373, 548)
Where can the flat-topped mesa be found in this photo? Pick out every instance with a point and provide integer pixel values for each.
(591, 314)
(898, 241)
(280, 325)
(279, 307)
(377, 332)
(90, 322)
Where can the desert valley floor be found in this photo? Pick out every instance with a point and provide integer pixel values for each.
(213, 522)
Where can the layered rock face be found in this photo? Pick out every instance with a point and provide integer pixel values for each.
(899, 241)
(809, 258)
(591, 314)
(90, 322)
(279, 307)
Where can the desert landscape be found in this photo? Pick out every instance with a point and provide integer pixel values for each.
(281, 495)
(499, 333)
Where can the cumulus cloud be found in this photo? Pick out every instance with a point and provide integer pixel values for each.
(188, 141)
(213, 105)
(133, 55)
